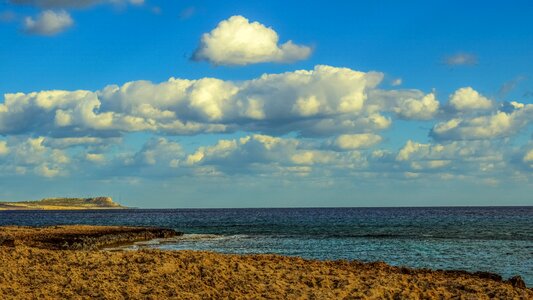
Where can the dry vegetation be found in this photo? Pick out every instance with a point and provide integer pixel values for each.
(27, 272)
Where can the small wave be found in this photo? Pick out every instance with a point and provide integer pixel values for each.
(204, 237)
(148, 243)
(196, 237)
(191, 237)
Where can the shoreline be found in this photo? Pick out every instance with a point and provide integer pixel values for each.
(66, 261)
(79, 237)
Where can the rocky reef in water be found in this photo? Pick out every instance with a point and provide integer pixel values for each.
(79, 237)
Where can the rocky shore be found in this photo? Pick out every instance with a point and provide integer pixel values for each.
(63, 262)
(79, 237)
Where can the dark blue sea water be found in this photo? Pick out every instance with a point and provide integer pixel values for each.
(494, 239)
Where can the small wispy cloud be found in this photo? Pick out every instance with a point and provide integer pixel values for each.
(156, 10)
(68, 4)
(7, 16)
(461, 59)
(187, 13)
(396, 82)
(509, 86)
(48, 23)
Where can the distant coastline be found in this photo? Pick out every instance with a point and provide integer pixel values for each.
(63, 204)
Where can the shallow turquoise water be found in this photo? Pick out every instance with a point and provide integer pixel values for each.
(494, 239)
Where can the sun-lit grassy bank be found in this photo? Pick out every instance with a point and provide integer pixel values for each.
(31, 268)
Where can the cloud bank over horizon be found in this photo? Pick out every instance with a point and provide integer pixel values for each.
(327, 122)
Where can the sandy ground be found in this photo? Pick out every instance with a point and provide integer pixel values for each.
(36, 271)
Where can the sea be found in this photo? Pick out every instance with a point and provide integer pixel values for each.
(491, 239)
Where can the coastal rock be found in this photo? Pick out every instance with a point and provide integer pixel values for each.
(517, 281)
(80, 237)
(7, 242)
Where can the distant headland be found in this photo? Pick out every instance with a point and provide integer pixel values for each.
(63, 204)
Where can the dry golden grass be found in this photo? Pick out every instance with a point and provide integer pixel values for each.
(37, 273)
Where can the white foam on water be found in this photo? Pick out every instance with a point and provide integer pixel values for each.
(188, 238)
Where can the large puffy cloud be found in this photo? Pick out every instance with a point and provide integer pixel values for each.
(77, 114)
(50, 111)
(459, 159)
(159, 152)
(471, 116)
(22, 156)
(406, 104)
(272, 155)
(324, 101)
(236, 41)
(468, 99)
(495, 125)
(48, 22)
(421, 109)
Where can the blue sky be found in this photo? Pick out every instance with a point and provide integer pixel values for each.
(370, 104)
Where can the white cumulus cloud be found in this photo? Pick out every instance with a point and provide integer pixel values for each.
(31, 154)
(4, 149)
(406, 104)
(48, 23)
(356, 141)
(489, 126)
(461, 59)
(468, 99)
(527, 158)
(237, 41)
(271, 155)
(323, 101)
(462, 158)
(421, 109)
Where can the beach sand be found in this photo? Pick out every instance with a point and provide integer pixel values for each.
(33, 267)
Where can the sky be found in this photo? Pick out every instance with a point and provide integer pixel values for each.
(181, 104)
